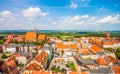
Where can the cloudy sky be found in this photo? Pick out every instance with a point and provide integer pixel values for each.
(60, 14)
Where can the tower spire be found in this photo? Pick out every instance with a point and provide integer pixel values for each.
(35, 31)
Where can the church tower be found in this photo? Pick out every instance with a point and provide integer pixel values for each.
(107, 35)
(35, 31)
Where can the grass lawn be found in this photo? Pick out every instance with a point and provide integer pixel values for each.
(56, 69)
(71, 65)
(6, 54)
(64, 37)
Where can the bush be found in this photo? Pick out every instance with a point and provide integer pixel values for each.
(20, 64)
(71, 65)
(4, 56)
(117, 53)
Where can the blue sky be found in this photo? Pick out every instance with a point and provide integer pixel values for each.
(60, 14)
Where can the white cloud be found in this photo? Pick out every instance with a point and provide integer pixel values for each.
(73, 5)
(6, 16)
(77, 17)
(6, 13)
(85, 21)
(33, 12)
(1, 20)
(110, 20)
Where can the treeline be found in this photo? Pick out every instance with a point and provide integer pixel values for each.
(83, 34)
(7, 33)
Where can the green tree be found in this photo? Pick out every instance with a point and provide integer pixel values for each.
(62, 52)
(4, 56)
(117, 53)
(15, 41)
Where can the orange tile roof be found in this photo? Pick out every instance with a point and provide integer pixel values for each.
(73, 46)
(79, 40)
(95, 49)
(45, 72)
(33, 66)
(16, 55)
(41, 37)
(30, 36)
(112, 59)
(97, 41)
(36, 72)
(73, 72)
(42, 57)
(10, 39)
(21, 38)
(38, 47)
(86, 52)
(61, 45)
(84, 73)
(108, 43)
(39, 72)
(117, 69)
(91, 40)
(102, 61)
(38, 58)
(11, 62)
(60, 60)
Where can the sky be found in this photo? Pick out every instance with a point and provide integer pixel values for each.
(85, 15)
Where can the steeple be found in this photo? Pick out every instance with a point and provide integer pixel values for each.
(35, 31)
(107, 35)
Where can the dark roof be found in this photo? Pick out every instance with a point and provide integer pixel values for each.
(23, 53)
(46, 48)
(101, 53)
(102, 70)
(15, 45)
(87, 61)
(80, 63)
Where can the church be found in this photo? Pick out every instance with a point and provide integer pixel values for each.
(34, 36)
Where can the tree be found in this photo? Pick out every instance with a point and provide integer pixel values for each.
(62, 52)
(15, 41)
(4, 56)
(42, 43)
(117, 53)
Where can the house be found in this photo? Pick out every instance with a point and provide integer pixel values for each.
(75, 72)
(102, 62)
(22, 57)
(86, 64)
(8, 66)
(39, 63)
(116, 69)
(95, 49)
(21, 38)
(41, 37)
(10, 39)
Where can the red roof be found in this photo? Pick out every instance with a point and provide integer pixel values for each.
(73, 72)
(95, 49)
(30, 36)
(111, 59)
(33, 66)
(36, 72)
(117, 69)
(41, 37)
(102, 61)
(11, 62)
